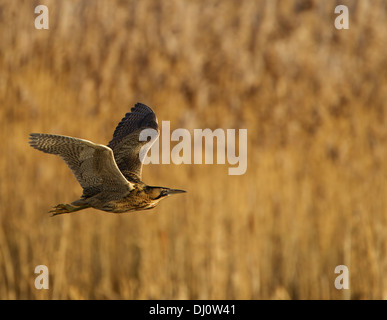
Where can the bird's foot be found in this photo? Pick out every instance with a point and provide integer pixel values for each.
(62, 208)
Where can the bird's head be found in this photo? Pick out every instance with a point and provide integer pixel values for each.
(158, 193)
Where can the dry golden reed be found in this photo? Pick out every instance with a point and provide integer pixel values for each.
(313, 99)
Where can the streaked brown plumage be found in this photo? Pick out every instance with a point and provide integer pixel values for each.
(109, 175)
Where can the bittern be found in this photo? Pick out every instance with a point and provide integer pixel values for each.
(109, 175)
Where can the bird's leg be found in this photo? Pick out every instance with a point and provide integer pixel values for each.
(65, 208)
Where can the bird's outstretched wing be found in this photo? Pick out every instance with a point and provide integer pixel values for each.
(126, 144)
(93, 165)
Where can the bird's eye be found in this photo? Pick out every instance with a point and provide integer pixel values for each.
(162, 194)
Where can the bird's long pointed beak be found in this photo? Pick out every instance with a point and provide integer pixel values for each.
(173, 191)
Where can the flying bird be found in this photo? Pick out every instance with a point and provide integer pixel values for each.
(109, 175)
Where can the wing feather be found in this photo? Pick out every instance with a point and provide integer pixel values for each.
(126, 144)
(92, 164)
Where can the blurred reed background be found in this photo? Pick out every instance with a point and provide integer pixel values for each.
(313, 99)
